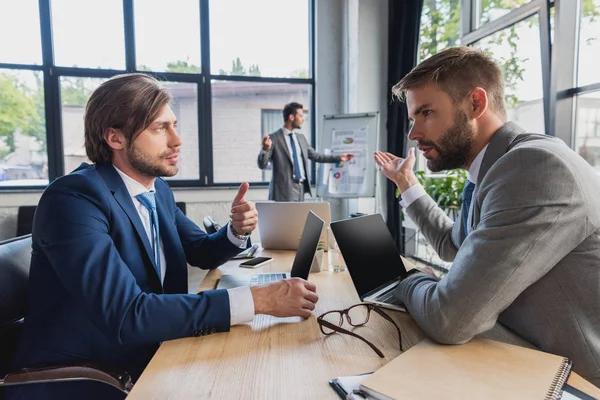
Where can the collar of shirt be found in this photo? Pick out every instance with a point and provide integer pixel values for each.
(286, 131)
(133, 187)
(473, 172)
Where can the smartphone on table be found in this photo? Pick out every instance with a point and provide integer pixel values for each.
(256, 262)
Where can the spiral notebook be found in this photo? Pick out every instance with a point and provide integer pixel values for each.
(479, 369)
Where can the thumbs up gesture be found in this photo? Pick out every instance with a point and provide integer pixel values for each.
(244, 216)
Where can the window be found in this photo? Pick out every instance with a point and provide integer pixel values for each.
(440, 26)
(23, 158)
(589, 43)
(88, 33)
(176, 49)
(587, 128)
(74, 94)
(517, 50)
(20, 32)
(219, 68)
(490, 10)
(261, 38)
(238, 119)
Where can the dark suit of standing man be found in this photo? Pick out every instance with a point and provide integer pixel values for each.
(289, 152)
(108, 280)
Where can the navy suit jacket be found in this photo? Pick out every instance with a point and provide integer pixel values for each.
(94, 293)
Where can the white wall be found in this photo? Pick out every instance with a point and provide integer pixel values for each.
(370, 60)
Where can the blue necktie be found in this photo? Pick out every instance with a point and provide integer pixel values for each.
(148, 200)
(297, 173)
(467, 195)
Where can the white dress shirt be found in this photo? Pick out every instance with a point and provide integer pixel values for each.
(416, 191)
(241, 303)
(286, 133)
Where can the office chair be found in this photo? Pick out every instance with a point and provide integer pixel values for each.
(25, 220)
(210, 226)
(181, 206)
(15, 257)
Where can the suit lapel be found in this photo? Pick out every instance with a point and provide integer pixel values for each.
(498, 146)
(283, 144)
(170, 238)
(121, 195)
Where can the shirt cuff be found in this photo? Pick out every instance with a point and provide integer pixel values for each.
(241, 305)
(411, 194)
(241, 243)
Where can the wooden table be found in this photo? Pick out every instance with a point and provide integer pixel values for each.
(279, 358)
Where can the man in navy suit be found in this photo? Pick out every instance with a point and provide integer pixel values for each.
(108, 280)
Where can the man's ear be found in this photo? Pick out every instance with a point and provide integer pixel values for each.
(114, 138)
(478, 100)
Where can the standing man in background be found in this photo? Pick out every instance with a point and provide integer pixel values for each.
(289, 152)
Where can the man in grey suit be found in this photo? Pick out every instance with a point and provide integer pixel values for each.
(289, 152)
(526, 247)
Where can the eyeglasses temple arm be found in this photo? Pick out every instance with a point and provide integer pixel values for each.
(342, 330)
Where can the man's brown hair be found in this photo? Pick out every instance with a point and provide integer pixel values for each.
(457, 71)
(128, 102)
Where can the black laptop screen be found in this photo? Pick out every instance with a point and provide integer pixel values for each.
(369, 252)
(309, 241)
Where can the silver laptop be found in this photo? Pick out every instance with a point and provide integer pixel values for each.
(372, 259)
(302, 262)
(280, 223)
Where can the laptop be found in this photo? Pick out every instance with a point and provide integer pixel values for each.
(302, 262)
(372, 259)
(280, 223)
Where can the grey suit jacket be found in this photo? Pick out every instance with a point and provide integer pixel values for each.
(531, 260)
(283, 187)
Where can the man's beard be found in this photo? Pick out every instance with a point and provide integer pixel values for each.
(144, 163)
(454, 146)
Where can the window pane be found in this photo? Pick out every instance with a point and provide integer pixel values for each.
(185, 108)
(176, 49)
(517, 51)
(88, 33)
(23, 155)
(589, 43)
(20, 32)
(275, 44)
(75, 92)
(440, 26)
(587, 128)
(242, 112)
(490, 10)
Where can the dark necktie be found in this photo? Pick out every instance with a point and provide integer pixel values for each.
(466, 204)
(149, 201)
(297, 173)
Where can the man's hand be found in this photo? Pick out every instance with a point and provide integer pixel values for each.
(267, 143)
(286, 298)
(347, 156)
(398, 170)
(244, 216)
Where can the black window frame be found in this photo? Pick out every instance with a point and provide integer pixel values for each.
(52, 74)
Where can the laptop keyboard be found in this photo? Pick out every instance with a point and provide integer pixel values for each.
(262, 279)
(389, 298)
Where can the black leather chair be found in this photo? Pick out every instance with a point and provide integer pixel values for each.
(210, 226)
(15, 257)
(25, 219)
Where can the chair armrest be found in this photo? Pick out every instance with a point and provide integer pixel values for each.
(121, 381)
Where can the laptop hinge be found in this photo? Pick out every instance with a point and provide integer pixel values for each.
(386, 287)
